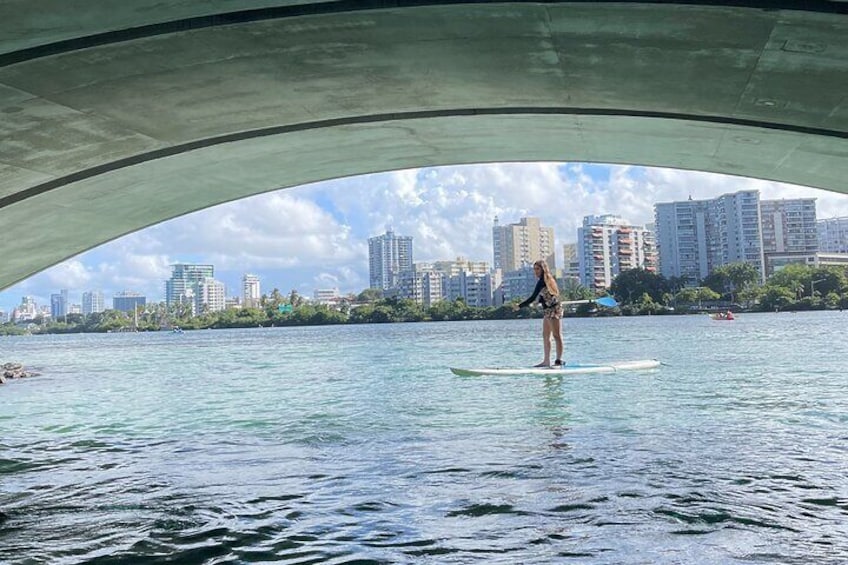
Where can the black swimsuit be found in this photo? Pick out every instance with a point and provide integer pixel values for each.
(551, 306)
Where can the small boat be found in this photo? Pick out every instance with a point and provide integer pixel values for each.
(726, 316)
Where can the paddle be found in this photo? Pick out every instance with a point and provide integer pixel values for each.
(606, 301)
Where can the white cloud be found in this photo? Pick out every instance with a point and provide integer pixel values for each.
(277, 230)
(70, 274)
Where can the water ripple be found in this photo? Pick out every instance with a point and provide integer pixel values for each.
(734, 453)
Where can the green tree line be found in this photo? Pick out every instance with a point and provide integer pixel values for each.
(639, 292)
(794, 287)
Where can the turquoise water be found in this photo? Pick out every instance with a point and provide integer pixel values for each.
(357, 445)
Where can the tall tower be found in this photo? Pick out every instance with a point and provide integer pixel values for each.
(389, 255)
(696, 236)
(59, 304)
(210, 296)
(609, 245)
(789, 226)
(738, 230)
(92, 302)
(183, 279)
(524, 243)
(251, 291)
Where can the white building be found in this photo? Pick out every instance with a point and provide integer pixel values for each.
(389, 256)
(423, 284)
(210, 296)
(429, 283)
(608, 245)
(474, 288)
(26, 310)
(326, 296)
(251, 291)
(789, 226)
(92, 302)
(180, 288)
(696, 236)
(432, 288)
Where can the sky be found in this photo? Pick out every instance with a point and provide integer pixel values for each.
(316, 236)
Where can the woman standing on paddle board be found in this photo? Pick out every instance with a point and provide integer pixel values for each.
(548, 293)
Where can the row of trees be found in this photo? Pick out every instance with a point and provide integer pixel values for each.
(798, 287)
(276, 310)
(795, 287)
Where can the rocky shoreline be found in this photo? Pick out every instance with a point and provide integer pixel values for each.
(14, 371)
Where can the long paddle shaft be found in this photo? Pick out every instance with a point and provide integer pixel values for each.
(606, 301)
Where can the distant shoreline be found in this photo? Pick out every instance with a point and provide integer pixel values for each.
(291, 323)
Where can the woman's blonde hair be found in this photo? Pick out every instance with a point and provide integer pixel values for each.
(550, 281)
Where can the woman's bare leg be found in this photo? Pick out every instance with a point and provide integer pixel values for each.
(546, 341)
(556, 327)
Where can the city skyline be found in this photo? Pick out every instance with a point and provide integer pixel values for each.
(315, 236)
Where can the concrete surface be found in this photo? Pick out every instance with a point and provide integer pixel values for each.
(118, 115)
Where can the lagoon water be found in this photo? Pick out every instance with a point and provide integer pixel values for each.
(356, 444)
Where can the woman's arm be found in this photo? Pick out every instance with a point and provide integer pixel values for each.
(539, 286)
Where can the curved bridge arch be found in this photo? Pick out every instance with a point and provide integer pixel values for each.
(125, 117)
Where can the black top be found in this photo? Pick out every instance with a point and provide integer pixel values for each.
(539, 286)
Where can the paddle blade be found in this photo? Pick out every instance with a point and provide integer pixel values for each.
(607, 301)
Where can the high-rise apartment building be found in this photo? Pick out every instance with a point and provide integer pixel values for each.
(524, 243)
(474, 288)
(251, 291)
(422, 284)
(210, 295)
(696, 236)
(389, 255)
(59, 304)
(608, 245)
(429, 283)
(833, 235)
(789, 226)
(180, 288)
(92, 302)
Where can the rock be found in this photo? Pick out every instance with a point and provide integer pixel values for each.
(13, 371)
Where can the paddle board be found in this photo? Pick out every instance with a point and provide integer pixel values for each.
(567, 369)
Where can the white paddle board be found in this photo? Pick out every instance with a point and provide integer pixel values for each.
(567, 369)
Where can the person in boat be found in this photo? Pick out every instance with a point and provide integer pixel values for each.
(548, 295)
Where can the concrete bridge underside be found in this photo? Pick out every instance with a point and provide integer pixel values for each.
(118, 115)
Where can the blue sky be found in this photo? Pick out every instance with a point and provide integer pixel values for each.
(315, 236)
